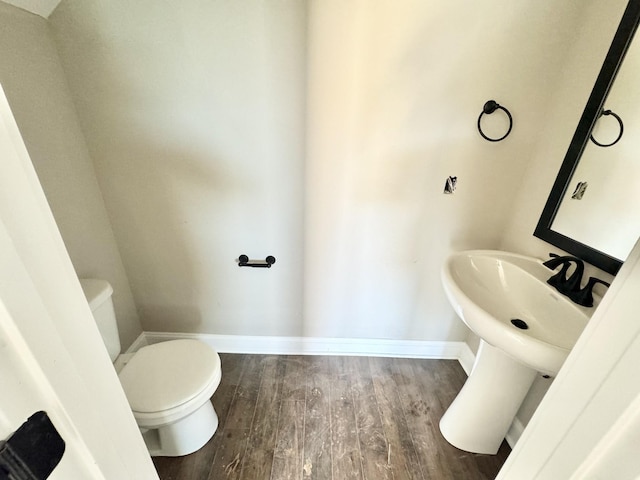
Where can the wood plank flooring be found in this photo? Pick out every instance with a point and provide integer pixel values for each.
(332, 418)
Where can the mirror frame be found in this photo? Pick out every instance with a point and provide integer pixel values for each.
(612, 62)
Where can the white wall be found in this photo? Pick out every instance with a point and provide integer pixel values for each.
(395, 90)
(198, 119)
(194, 115)
(32, 77)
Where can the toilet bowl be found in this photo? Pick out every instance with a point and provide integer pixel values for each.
(168, 385)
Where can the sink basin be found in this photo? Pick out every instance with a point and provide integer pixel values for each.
(488, 289)
(526, 328)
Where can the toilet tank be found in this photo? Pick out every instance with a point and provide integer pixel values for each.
(98, 294)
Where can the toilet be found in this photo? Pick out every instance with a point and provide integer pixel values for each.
(168, 385)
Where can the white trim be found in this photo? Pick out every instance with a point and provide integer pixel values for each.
(319, 346)
(515, 432)
(137, 344)
(42, 8)
(46, 330)
(466, 357)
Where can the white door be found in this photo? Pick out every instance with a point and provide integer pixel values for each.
(51, 355)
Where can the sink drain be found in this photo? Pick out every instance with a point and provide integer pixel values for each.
(521, 324)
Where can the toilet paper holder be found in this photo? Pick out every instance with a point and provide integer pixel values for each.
(243, 261)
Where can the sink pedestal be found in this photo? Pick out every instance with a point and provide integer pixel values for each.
(480, 416)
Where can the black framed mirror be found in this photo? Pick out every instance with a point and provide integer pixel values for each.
(594, 108)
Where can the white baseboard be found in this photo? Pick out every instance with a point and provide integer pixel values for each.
(331, 346)
(317, 346)
(138, 343)
(466, 358)
(515, 432)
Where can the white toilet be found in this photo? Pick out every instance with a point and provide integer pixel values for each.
(169, 385)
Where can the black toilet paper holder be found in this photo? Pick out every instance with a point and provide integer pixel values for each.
(243, 261)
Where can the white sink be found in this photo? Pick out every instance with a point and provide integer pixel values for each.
(488, 289)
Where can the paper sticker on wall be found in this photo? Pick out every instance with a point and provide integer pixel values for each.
(450, 185)
(578, 193)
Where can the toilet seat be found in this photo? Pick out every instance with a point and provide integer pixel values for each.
(164, 381)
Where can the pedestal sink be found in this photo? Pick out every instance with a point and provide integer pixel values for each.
(526, 328)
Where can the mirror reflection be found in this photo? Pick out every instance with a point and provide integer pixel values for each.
(590, 210)
(601, 207)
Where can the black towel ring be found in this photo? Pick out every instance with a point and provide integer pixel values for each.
(490, 107)
(609, 112)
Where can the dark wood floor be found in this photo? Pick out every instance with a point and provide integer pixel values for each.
(332, 418)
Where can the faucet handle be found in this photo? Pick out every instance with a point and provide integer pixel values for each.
(552, 256)
(584, 297)
(559, 279)
(552, 263)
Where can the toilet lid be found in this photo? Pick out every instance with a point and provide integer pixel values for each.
(168, 374)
